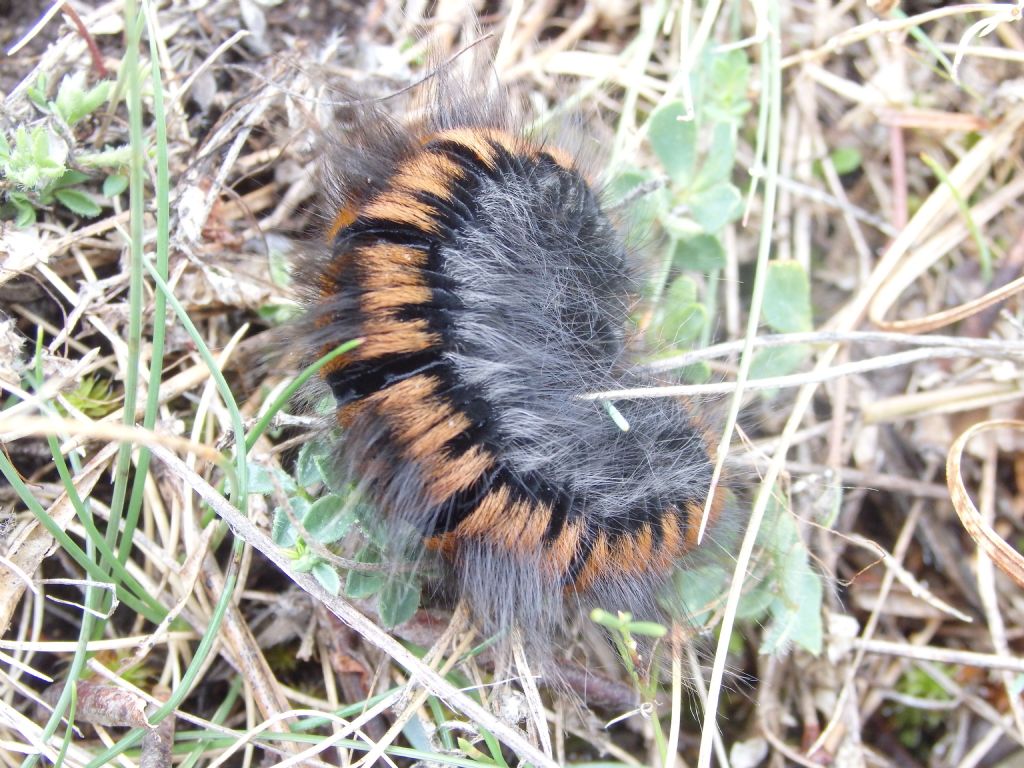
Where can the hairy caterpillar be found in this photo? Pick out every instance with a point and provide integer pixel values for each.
(491, 291)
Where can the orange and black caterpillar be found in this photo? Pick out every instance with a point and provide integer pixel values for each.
(491, 292)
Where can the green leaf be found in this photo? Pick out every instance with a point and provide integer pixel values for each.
(49, 153)
(282, 531)
(69, 94)
(778, 361)
(36, 159)
(466, 747)
(624, 182)
(787, 298)
(114, 185)
(720, 159)
(681, 317)
(674, 141)
(696, 373)
(37, 92)
(496, 757)
(25, 212)
(93, 397)
(794, 565)
(700, 589)
(716, 206)
(30, 178)
(279, 262)
(779, 533)
(361, 584)
(42, 140)
(278, 314)
(307, 473)
(643, 209)
(775, 638)
(679, 227)
(78, 202)
(265, 481)
(699, 253)
(327, 575)
(796, 587)
(398, 601)
(96, 97)
(74, 102)
(797, 618)
(260, 479)
(111, 157)
(728, 78)
(332, 477)
(328, 520)
(306, 562)
(70, 178)
(755, 604)
(845, 159)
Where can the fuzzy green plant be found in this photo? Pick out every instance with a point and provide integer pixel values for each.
(41, 166)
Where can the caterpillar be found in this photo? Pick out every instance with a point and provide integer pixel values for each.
(491, 290)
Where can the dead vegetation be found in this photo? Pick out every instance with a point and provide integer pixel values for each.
(127, 566)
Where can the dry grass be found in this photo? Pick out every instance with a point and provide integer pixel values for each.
(921, 657)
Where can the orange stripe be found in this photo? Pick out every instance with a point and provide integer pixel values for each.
(410, 407)
(515, 526)
(387, 336)
(402, 208)
(386, 265)
(694, 512)
(479, 140)
(392, 269)
(426, 446)
(672, 543)
(445, 476)
(476, 140)
(526, 525)
(563, 549)
(634, 553)
(446, 543)
(348, 413)
(345, 217)
(562, 158)
(598, 562)
(332, 270)
(429, 172)
(422, 424)
(487, 515)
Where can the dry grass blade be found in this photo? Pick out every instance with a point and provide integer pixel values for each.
(869, 628)
(21, 426)
(940, 206)
(1005, 557)
(957, 313)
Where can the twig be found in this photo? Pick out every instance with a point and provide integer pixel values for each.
(984, 347)
(780, 382)
(932, 653)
